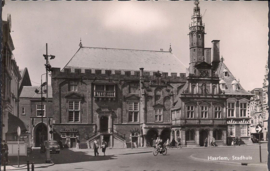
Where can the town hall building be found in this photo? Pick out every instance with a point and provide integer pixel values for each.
(126, 96)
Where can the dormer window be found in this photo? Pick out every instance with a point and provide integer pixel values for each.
(225, 72)
(235, 85)
(222, 84)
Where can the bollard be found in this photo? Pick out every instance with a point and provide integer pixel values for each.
(4, 166)
(33, 167)
(28, 167)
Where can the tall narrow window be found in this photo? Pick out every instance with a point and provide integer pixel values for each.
(190, 111)
(73, 86)
(204, 112)
(23, 111)
(40, 110)
(218, 112)
(190, 134)
(231, 109)
(159, 115)
(243, 129)
(74, 111)
(231, 130)
(243, 109)
(133, 112)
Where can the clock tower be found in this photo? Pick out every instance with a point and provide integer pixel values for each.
(196, 38)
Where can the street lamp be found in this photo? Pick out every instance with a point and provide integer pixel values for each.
(48, 69)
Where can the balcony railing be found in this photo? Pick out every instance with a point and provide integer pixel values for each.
(104, 94)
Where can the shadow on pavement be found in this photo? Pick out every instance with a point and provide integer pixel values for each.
(35, 157)
(137, 153)
(68, 156)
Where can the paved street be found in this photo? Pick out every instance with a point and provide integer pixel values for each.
(142, 159)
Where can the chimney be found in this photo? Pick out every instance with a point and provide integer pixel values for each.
(215, 51)
(207, 55)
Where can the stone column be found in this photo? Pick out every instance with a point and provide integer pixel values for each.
(197, 137)
(111, 140)
(171, 137)
(175, 135)
(101, 138)
(197, 88)
(98, 124)
(183, 137)
(264, 135)
(110, 124)
(210, 136)
(224, 137)
(144, 141)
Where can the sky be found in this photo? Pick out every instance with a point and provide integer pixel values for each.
(241, 27)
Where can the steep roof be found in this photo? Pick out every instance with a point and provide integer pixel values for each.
(229, 80)
(29, 91)
(125, 59)
(25, 81)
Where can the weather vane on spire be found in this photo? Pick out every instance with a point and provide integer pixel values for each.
(170, 49)
(80, 43)
(196, 2)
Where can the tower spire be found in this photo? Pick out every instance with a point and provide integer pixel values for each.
(170, 49)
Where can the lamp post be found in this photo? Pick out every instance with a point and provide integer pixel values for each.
(41, 102)
(48, 68)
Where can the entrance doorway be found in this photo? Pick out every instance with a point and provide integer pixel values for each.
(103, 124)
(106, 138)
(151, 137)
(203, 136)
(165, 135)
(41, 134)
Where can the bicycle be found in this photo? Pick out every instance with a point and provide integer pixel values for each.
(158, 150)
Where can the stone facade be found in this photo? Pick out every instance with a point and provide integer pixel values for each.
(10, 78)
(97, 99)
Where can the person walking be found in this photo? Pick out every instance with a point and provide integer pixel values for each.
(205, 142)
(4, 151)
(179, 142)
(104, 146)
(96, 148)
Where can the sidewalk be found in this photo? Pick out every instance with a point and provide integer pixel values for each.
(35, 157)
(240, 155)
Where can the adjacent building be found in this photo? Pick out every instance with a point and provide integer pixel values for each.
(126, 96)
(11, 77)
(265, 104)
(35, 115)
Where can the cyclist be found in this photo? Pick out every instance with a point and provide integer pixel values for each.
(159, 144)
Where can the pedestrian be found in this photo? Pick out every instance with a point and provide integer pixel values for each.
(179, 142)
(239, 141)
(78, 143)
(96, 148)
(104, 146)
(5, 150)
(236, 141)
(232, 142)
(205, 142)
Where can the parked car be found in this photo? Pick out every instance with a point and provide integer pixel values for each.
(54, 146)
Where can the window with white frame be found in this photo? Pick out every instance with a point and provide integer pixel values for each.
(159, 115)
(204, 111)
(218, 110)
(104, 91)
(231, 109)
(74, 111)
(73, 86)
(243, 109)
(40, 109)
(231, 130)
(23, 111)
(133, 112)
(243, 129)
(190, 111)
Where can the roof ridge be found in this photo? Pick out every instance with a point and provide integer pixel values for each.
(125, 49)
